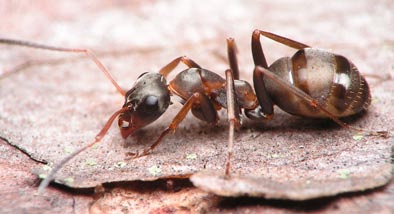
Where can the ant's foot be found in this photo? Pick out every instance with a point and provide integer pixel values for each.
(137, 154)
(384, 134)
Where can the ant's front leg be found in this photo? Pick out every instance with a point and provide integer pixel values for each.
(197, 100)
(171, 66)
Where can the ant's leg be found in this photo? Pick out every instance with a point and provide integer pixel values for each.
(196, 99)
(88, 52)
(97, 139)
(233, 117)
(313, 102)
(266, 109)
(257, 50)
(283, 40)
(171, 66)
(232, 57)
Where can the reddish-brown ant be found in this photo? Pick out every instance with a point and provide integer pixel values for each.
(311, 83)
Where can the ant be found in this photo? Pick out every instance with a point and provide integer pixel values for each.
(312, 83)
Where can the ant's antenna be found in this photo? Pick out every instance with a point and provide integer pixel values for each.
(88, 52)
(97, 139)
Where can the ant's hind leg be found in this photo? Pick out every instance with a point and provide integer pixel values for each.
(233, 117)
(283, 40)
(266, 110)
(313, 102)
(257, 49)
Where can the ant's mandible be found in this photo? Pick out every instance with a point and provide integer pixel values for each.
(312, 83)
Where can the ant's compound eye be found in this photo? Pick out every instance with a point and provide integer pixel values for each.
(151, 100)
(151, 103)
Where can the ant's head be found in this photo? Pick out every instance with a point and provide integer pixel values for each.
(146, 101)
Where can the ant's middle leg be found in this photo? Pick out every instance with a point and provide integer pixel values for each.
(232, 57)
(233, 117)
(197, 99)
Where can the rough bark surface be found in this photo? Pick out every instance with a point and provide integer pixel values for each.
(53, 103)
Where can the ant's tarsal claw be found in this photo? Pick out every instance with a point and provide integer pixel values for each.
(384, 134)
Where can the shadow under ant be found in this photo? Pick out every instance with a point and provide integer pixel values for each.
(285, 122)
